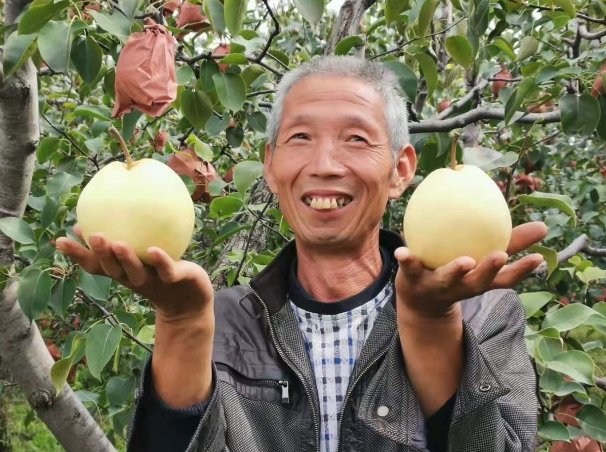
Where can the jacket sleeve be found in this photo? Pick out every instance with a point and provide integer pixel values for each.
(156, 427)
(497, 396)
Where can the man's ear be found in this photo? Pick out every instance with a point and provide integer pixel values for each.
(268, 169)
(403, 171)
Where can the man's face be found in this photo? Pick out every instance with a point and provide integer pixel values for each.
(332, 167)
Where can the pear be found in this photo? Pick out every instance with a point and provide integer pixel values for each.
(142, 203)
(456, 211)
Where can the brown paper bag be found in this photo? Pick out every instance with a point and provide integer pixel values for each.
(187, 162)
(190, 16)
(145, 73)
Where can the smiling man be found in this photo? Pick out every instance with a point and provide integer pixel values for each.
(345, 342)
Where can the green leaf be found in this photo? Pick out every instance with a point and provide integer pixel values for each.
(59, 373)
(55, 44)
(119, 390)
(406, 78)
(46, 148)
(147, 334)
(116, 24)
(94, 286)
(48, 212)
(216, 186)
(550, 256)
(235, 10)
(480, 17)
(235, 136)
(570, 387)
(393, 8)
(554, 431)
(528, 47)
(488, 159)
(235, 59)
(430, 71)
(215, 125)
(568, 317)
(593, 422)
(553, 200)
(62, 296)
(60, 182)
(601, 127)
(459, 48)
(574, 363)
(225, 206)
(93, 111)
(231, 90)
(252, 73)
(426, 14)
(346, 44)
(546, 73)
(311, 10)
(201, 149)
(17, 230)
(258, 121)
(17, 49)
(185, 75)
(87, 57)
(505, 46)
(129, 7)
(196, 107)
(534, 301)
(33, 291)
(518, 97)
(214, 11)
(39, 13)
(580, 114)
(101, 344)
(245, 173)
(567, 6)
(551, 380)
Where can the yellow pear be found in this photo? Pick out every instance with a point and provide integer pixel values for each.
(142, 203)
(456, 212)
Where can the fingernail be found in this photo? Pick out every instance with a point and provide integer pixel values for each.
(95, 241)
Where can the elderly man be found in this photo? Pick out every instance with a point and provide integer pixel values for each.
(345, 342)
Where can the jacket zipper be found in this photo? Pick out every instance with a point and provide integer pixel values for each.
(293, 368)
(282, 384)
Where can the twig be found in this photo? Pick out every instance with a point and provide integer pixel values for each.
(275, 32)
(513, 168)
(596, 252)
(261, 92)
(264, 223)
(463, 100)
(395, 49)
(266, 66)
(479, 114)
(91, 301)
(576, 246)
(250, 233)
(506, 80)
(600, 382)
(63, 133)
(591, 36)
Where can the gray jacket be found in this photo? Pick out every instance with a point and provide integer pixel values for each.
(265, 398)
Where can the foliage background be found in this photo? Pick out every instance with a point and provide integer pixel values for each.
(544, 125)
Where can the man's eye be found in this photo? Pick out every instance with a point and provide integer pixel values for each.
(358, 138)
(300, 136)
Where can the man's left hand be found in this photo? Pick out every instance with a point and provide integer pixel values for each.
(432, 293)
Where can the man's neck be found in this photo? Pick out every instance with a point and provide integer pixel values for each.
(333, 276)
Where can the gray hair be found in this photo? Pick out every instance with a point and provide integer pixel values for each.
(375, 74)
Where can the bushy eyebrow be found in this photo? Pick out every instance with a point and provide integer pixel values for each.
(351, 120)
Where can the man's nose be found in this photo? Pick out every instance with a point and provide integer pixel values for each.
(327, 160)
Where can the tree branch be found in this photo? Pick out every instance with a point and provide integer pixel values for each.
(348, 22)
(479, 114)
(583, 33)
(600, 382)
(275, 32)
(579, 245)
(463, 100)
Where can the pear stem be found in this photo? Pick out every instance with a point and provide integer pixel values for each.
(453, 151)
(118, 136)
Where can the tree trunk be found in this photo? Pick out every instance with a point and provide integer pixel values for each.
(347, 23)
(21, 344)
(5, 445)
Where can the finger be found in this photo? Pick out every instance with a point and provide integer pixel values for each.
(80, 255)
(511, 275)
(78, 231)
(164, 264)
(411, 266)
(134, 270)
(452, 273)
(481, 277)
(107, 259)
(525, 235)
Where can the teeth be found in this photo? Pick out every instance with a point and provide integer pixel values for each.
(326, 203)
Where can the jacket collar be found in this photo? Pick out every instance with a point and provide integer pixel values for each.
(271, 283)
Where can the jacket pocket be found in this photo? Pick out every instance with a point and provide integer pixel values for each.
(267, 390)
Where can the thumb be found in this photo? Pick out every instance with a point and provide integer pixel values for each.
(411, 266)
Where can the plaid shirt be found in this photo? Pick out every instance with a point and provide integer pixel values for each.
(333, 343)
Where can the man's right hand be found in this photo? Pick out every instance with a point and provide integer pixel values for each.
(178, 290)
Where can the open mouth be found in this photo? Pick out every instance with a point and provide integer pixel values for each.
(327, 203)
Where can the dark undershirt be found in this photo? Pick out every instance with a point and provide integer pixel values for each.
(164, 428)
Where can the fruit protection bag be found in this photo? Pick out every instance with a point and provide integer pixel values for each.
(145, 73)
